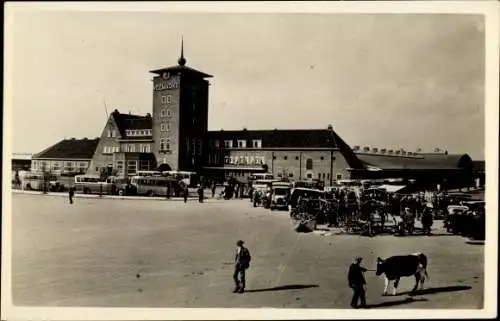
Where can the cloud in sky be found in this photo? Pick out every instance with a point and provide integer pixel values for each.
(381, 80)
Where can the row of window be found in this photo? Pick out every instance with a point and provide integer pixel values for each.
(165, 127)
(111, 149)
(165, 144)
(245, 160)
(166, 99)
(128, 148)
(112, 133)
(256, 143)
(166, 112)
(194, 146)
(58, 165)
(132, 166)
(297, 158)
(139, 132)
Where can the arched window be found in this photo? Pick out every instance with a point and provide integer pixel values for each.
(309, 164)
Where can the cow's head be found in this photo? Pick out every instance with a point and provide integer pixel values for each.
(380, 267)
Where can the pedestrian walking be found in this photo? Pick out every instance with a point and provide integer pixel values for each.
(241, 264)
(200, 193)
(71, 194)
(213, 189)
(186, 194)
(357, 283)
(427, 220)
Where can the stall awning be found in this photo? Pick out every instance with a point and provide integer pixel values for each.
(392, 188)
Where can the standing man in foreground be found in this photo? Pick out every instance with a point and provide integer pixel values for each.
(241, 263)
(357, 283)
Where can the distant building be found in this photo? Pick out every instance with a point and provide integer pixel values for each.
(67, 156)
(21, 161)
(176, 137)
(125, 145)
(295, 154)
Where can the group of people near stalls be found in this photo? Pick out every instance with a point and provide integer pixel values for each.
(375, 207)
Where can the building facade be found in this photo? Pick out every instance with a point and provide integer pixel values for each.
(125, 146)
(69, 156)
(175, 136)
(180, 116)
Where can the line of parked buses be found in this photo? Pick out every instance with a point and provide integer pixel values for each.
(149, 183)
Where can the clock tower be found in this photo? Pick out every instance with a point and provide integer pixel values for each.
(180, 116)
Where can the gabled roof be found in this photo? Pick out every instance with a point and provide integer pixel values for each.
(421, 162)
(128, 121)
(70, 149)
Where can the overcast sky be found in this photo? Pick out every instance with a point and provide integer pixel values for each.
(386, 81)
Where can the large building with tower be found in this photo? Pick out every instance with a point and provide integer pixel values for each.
(175, 136)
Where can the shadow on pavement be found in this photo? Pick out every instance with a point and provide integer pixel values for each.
(394, 303)
(452, 288)
(285, 287)
(475, 242)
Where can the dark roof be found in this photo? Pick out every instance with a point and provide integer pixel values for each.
(420, 162)
(479, 165)
(128, 121)
(295, 138)
(181, 69)
(70, 149)
(291, 138)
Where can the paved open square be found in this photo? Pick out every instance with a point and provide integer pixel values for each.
(145, 253)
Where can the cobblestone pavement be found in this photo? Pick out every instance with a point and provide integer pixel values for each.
(109, 252)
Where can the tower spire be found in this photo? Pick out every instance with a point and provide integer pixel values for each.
(182, 60)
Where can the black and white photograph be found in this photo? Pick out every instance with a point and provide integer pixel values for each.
(174, 160)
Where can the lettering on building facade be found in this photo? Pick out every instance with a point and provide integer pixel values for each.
(167, 84)
(245, 160)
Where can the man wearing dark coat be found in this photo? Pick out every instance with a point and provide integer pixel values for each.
(241, 264)
(357, 283)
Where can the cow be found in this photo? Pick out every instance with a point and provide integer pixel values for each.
(396, 267)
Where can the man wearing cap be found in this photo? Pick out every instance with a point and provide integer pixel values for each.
(357, 283)
(242, 262)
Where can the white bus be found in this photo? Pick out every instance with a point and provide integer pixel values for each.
(156, 186)
(93, 184)
(191, 179)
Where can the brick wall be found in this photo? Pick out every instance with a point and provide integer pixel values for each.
(294, 163)
(100, 159)
(167, 99)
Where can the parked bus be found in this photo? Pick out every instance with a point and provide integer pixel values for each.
(34, 181)
(257, 176)
(191, 179)
(93, 184)
(157, 186)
